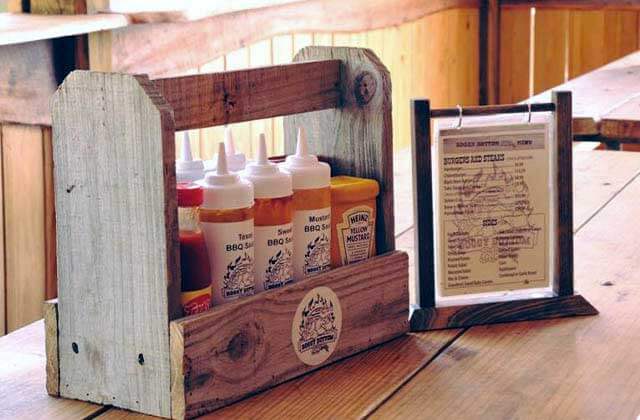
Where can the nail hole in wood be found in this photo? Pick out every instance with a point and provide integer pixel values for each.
(74, 347)
(141, 359)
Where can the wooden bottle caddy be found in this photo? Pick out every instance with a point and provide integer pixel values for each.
(114, 335)
(561, 300)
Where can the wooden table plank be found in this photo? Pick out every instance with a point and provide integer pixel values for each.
(565, 368)
(22, 380)
(597, 93)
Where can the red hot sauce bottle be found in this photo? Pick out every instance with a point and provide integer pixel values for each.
(194, 260)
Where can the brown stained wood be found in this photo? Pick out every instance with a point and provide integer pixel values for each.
(463, 316)
(50, 312)
(515, 42)
(23, 188)
(165, 49)
(492, 109)
(622, 123)
(222, 98)
(246, 347)
(117, 239)
(356, 138)
(23, 383)
(51, 283)
(563, 271)
(57, 7)
(550, 46)
(584, 367)
(423, 201)
(598, 92)
(27, 81)
(489, 40)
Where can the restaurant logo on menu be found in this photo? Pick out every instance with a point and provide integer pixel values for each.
(316, 326)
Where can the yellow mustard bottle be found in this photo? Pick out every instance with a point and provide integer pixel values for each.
(226, 219)
(353, 219)
(273, 223)
(311, 210)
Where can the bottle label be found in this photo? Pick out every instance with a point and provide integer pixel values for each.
(196, 301)
(312, 242)
(356, 233)
(274, 256)
(231, 256)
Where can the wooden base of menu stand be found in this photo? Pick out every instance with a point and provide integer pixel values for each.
(562, 301)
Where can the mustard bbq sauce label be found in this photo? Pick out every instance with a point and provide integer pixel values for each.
(312, 242)
(231, 257)
(493, 207)
(196, 301)
(316, 326)
(356, 234)
(274, 256)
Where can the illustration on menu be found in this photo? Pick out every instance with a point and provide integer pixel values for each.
(493, 204)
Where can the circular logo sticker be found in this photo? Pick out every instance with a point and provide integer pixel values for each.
(316, 326)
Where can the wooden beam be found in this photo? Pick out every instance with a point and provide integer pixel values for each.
(166, 49)
(489, 39)
(222, 98)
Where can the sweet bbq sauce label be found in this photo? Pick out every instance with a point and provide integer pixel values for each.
(231, 256)
(312, 239)
(356, 234)
(274, 256)
(316, 326)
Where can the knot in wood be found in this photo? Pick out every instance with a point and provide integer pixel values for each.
(365, 87)
(238, 346)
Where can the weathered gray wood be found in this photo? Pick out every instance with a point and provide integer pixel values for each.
(356, 137)
(117, 234)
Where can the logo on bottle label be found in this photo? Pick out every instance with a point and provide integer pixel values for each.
(316, 326)
(356, 234)
(231, 256)
(312, 239)
(274, 256)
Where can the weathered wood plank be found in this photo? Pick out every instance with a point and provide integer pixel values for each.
(246, 347)
(3, 282)
(546, 369)
(364, 119)
(27, 81)
(22, 161)
(222, 98)
(622, 123)
(50, 312)
(22, 380)
(165, 49)
(117, 239)
(50, 280)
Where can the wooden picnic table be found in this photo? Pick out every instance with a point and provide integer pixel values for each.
(585, 367)
(606, 102)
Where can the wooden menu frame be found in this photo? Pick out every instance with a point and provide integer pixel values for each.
(562, 301)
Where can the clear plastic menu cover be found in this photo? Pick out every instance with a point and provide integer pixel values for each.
(494, 204)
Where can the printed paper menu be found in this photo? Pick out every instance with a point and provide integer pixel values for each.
(494, 205)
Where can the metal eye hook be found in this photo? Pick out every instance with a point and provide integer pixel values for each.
(529, 116)
(459, 116)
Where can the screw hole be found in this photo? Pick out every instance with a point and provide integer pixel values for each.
(74, 347)
(141, 359)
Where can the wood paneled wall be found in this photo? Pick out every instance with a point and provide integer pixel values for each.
(437, 56)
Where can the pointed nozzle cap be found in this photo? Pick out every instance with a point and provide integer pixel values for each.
(268, 181)
(306, 170)
(225, 190)
(187, 168)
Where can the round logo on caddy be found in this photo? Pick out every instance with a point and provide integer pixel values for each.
(316, 326)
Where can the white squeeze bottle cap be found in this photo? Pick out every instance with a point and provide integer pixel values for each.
(224, 190)
(305, 169)
(235, 161)
(268, 181)
(188, 169)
